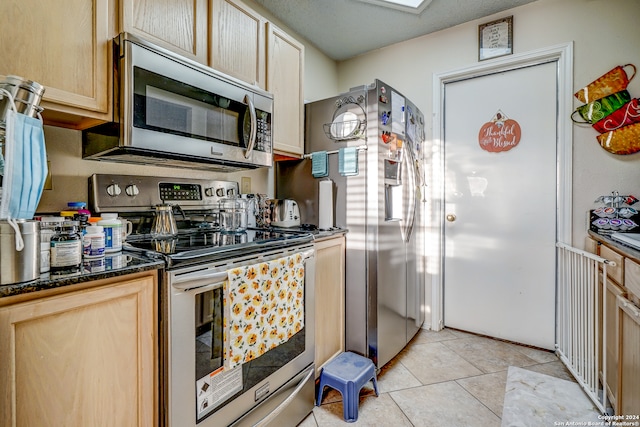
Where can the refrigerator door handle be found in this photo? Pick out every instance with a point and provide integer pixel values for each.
(411, 199)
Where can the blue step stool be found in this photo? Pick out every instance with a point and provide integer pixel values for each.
(348, 373)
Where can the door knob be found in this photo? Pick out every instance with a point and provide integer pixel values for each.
(451, 217)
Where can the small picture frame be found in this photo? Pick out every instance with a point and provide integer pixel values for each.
(495, 38)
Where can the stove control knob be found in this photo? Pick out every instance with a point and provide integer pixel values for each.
(114, 190)
(208, 192)
(132, 190)
(220, 192)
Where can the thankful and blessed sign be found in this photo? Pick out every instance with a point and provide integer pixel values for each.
(500, 134)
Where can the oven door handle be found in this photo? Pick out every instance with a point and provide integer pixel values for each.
(199, 280)
(307, 254)
(269, 418)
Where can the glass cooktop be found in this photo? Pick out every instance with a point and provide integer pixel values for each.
(203, 245)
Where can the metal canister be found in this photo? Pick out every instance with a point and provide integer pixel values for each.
(19, 266)
(26, 94)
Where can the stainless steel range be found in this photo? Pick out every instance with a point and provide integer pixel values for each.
(236, 314)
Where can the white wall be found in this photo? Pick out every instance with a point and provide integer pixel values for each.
(605, 34)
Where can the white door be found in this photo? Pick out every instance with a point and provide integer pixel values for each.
(500, 206)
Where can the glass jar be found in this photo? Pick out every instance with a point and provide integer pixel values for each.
(66, 248)
(233, 215)
(48, 226)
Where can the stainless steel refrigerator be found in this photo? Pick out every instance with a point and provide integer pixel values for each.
(378, 198)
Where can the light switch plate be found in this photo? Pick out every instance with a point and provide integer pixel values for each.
(245, 185)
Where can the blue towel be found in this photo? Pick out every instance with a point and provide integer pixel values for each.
(348, 161)
(319, 164)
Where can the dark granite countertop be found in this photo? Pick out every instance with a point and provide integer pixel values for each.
(319, 236)
(112, 265)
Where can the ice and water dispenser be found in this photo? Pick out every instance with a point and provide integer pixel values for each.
(392, 123)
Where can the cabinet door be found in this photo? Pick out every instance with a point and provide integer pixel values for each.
(611, 342)
(330, 297)
(66, 49)
(628, 399)
(237, 41)
(178, 25)
(285, 65)
(85, 358)
(632, 279)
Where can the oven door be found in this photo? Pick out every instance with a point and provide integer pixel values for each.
(199, 388)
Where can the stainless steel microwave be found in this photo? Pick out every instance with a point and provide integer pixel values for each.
(172, 111)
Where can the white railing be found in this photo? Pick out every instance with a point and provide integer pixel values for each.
(581, 319)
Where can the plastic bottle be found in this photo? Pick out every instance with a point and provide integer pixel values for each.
(93, 242)
(66, 248)
(112, 232)
(79, 207)
(68, 215)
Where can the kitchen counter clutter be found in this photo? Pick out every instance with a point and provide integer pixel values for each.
(111, 265)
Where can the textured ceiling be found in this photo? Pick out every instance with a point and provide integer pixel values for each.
(346, 28)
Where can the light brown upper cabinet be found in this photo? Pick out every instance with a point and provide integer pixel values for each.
(177, 25)
(285, 80)
(66, 49)
(237, 43)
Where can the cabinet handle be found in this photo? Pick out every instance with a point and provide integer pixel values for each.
(628, 305)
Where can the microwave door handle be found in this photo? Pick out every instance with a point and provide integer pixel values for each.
(254, 126)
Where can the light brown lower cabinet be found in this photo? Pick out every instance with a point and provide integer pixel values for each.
(611, 342)
(329, 300)
(628, 402)
(622, 323)
(82, 358)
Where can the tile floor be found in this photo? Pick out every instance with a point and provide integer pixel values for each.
(446, 378)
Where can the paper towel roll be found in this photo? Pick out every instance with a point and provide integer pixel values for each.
(325, 205)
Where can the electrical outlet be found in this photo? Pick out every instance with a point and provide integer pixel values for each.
(245, 185)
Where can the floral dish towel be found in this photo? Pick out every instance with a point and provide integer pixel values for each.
(264, 307)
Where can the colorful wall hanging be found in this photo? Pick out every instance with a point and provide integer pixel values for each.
(610, 110)
(500, 134)
(612, 81)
